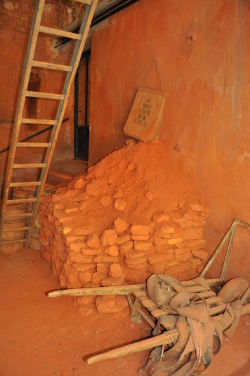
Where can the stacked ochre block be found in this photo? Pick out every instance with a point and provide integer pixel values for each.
(93, 239)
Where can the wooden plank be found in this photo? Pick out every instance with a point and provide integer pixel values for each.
(218, 249)
(158, 313)
(245, 311)
(212, 311)
(214, 282)
(162, 339)
(21, 200)
(16, 216)
(88, 2)
(43, 64)
(21, 100)
(75, 60)
(214, 300)
(140, 294)
(166, 322)
(13, 241)
(25, 184)
(171, 335)
(38, 94)
(229, 247)
(191, 282)
(207, 294)
(29, 165)
(33, 144)
(146, 317)
(197, 288)
(15, 229)
(209, 282)
(148, 303)
(59, 33)
(245, 296)
(218, 309)
(38, 121)
(98, 291)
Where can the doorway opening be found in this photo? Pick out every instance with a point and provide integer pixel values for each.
(81, 109)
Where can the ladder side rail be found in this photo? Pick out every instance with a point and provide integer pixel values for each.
(75, 60)
(20, 103)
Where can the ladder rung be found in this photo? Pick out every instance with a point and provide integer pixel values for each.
(43, 64)
(22, 215)
(58, 32)
(29, 165)
(37, 94)
(39, 121)
(33, 144)
(25, 184)
(15, 229)
(13, 241)
(21, 200)
(88, 2)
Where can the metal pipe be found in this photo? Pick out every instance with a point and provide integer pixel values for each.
(76, 104)
(106, 13)
(87, 91)
(110, 11)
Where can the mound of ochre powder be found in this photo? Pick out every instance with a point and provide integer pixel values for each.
(132, 215)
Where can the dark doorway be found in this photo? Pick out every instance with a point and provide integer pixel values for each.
(81, 109)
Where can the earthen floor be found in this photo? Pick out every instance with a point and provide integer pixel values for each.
(43, 337)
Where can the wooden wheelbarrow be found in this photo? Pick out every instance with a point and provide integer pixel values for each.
(144, 307)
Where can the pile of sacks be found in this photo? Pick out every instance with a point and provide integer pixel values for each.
(96, 232)
(200, 332)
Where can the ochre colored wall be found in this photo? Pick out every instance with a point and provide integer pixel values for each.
(198, 53)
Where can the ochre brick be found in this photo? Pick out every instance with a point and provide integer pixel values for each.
(112, 250)
(104, 259)
(159, 218)
(77, 246)
(141, 229)
(120, 204)
(116, 271)
(93, 241)
(143, 246)
(109, 237)
(80, 267)
(120, 225)
(123, 239)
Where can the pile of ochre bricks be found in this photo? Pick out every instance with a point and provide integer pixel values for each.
(124, 253)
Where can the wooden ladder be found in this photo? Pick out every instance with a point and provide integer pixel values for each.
(62, 99)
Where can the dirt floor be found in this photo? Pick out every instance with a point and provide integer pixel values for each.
(43, 337)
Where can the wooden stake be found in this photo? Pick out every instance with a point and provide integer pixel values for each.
(97, 291)
(162, 339)
(168, 337)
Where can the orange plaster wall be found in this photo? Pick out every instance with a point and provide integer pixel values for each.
(198, 53)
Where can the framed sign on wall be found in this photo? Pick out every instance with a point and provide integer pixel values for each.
(145, 117)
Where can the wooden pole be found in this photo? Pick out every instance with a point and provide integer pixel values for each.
(146, 344)
(95, 291)
(162, 339)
